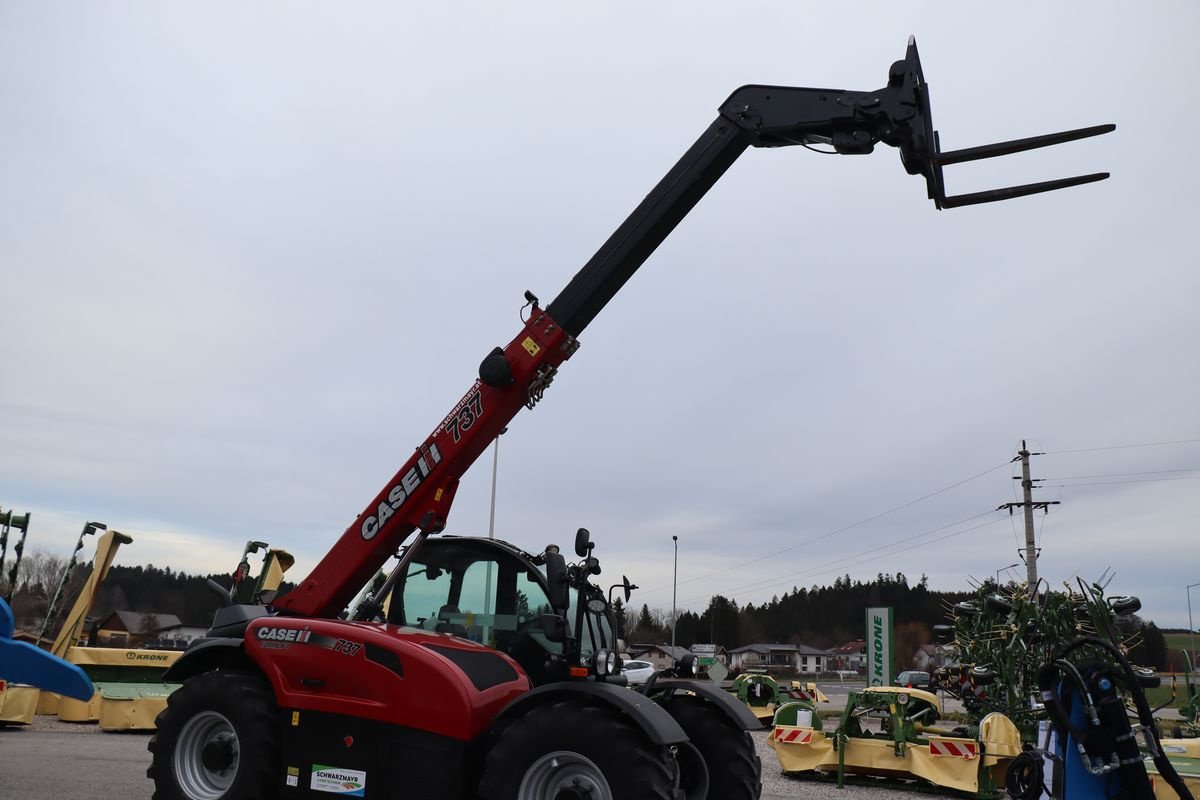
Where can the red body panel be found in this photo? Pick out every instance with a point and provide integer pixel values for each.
(322, 665)
(420, 494)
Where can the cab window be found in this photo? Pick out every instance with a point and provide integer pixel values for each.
(477, 593)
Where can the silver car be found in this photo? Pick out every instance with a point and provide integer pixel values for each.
(637, 672)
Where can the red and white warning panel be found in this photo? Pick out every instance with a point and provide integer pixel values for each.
(793, 735)
(954, 748)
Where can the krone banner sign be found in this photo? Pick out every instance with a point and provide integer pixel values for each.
(879, 646)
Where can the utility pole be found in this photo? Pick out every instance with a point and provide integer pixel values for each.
(1030, 554)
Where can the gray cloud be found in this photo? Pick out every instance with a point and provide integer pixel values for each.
(252, 256)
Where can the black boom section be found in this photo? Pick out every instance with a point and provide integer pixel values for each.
(646, 228)
(483, 668)
(837, 120)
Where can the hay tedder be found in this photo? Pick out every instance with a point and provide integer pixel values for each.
(1056, 664)
(300, 701)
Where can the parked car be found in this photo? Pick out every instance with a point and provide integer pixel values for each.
(637, 672)
(915, 679)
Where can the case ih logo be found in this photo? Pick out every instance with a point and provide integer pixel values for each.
(428, 458)
(283, 635)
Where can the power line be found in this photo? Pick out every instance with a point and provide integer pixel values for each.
(1122, 446)
(1119, 474)
(1110, 483)
(839, 565)
(900, 507)
(806, 571)
(803, 572)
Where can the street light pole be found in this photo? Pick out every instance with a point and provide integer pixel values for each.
(487, 586)
(674, 586)
(1191, 629)
(1010, 566)
(495, 467)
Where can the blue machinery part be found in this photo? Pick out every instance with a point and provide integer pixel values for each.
(21, 662)
(1095, 752)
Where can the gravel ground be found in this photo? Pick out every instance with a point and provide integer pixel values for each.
(777, 786)
(122, 759)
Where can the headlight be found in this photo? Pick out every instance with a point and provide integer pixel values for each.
(613, 661)
(601, 661)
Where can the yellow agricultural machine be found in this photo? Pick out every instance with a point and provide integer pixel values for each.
(129, 690)
(892, 733)
(18, 701)
(762, 694)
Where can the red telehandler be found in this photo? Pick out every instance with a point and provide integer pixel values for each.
(476, 669)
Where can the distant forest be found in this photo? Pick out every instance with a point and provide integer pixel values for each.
(146, 589)
(824, 617)
(820, 616)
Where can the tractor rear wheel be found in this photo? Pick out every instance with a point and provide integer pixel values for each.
(572, 751)
(734, 770)
(216, 740)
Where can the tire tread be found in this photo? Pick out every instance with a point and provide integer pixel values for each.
(240, 691)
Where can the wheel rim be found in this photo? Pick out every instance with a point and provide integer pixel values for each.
(563, 775)
(206, 756)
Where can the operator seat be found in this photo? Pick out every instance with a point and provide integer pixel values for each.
(446, 623)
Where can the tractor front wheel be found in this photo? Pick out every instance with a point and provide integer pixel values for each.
(572, 751)
(734, 770)
(216, 740)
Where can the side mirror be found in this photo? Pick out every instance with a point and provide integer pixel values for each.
(687, 666)
(583, 542)
(629, 587)
(556, 578)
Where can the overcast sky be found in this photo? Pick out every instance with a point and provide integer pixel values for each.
(251, 254)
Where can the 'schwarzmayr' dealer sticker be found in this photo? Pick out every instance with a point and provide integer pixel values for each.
(346, 782)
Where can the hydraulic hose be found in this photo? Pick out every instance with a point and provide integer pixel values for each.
(1024, 779)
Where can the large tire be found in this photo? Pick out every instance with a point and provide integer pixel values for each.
(217, 739)
(568, 746)
(734, 770)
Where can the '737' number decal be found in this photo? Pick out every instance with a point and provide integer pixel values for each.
(346, 647)
(466, 416)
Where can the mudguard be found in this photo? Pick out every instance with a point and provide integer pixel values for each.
(207, 655)
(653, 719)
(735, 710)
(21, 662)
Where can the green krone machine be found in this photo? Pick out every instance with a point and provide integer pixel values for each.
(1004, 637)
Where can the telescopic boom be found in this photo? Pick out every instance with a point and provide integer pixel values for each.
(419, 496)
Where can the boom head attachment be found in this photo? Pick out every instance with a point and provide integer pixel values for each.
(897, 115)
(921, 153)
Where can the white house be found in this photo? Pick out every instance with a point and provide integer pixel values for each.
(779, 657)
